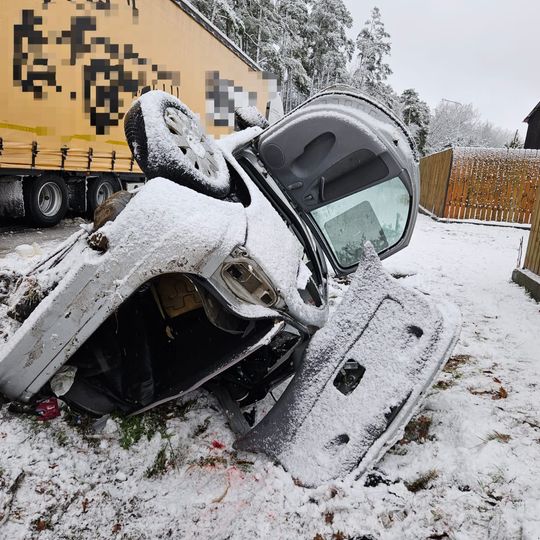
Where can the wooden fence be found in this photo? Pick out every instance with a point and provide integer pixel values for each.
(481, 183)
(532, 257)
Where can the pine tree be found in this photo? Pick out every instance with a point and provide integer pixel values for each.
(290, 50)
(271, 32)
(416, 115)
(516, 141)
(223, 14)
(258, 27)
(328, 47)
(373, 44)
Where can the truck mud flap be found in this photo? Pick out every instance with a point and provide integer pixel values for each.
(362, 378)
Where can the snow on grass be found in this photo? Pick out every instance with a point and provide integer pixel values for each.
(467, 468)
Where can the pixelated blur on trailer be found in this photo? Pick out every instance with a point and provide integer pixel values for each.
(102, 53)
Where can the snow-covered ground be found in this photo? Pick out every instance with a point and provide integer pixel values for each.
(468, 467)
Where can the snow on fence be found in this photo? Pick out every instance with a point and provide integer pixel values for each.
(483, 184)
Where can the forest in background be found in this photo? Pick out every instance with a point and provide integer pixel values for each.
(305, 43)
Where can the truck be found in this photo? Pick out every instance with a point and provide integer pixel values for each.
(70, 71)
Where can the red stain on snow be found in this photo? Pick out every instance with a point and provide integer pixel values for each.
(218, 445)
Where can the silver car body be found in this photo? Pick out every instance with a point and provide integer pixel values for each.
(166, 228)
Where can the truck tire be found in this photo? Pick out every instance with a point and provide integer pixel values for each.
(99, 190)
(167, 140)
(45, 199)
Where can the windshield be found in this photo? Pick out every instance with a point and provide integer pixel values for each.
(378, 214)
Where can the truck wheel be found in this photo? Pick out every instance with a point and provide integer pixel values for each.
(99, 190)
(45, 199)
(167, 140)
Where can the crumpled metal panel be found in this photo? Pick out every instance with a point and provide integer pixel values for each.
(399, 340)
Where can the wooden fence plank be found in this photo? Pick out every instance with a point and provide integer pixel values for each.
(532, 257)
(434, 173)
(487, 184)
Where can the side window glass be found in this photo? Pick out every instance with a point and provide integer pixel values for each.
(378, 214)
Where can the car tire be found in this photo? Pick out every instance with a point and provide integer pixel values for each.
(45, 200)
(167, 141)
(99, 190)
(111, 208)
(247, 117)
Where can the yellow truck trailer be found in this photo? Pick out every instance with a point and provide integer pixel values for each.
(69, 71)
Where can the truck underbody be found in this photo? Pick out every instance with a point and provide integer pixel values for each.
(43, 198)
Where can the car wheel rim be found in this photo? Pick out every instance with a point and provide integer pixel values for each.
(103, 193)
(49, 199)
(191, 141)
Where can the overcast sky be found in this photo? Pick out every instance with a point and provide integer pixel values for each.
(484, 52)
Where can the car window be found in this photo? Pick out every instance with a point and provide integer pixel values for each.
(378, 214)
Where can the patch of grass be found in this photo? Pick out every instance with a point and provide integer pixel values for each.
(452, 368)
(134, 428)
(210, 461)
(61, 437)
(160, 464)
(179, 410)
(422, 482)
(374, 479)
(340, 536)
(398, 450)
(83, 424)
(244, 465)
(402, 275)
(166, 458)
(41, 524)
(36, 425)
(202, 428)
(417, 430)
(500, 393)
(496, 436)
(444, 385)
(456, 362)
(498, 476)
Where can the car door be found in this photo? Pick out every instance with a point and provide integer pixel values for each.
(349, 168)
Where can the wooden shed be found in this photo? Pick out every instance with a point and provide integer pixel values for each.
(532, 139)
(486, 184)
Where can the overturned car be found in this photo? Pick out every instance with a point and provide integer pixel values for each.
(215, 274)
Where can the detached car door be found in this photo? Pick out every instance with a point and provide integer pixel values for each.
(350, 169)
